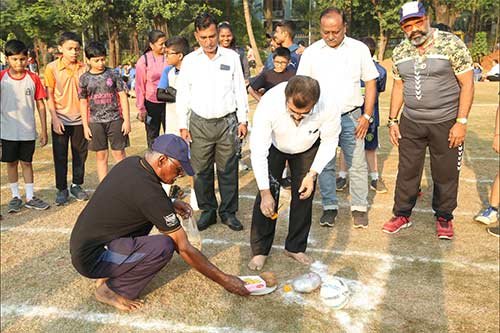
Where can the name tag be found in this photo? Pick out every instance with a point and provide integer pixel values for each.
(224, 67)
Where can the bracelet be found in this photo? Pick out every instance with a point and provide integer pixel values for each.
(392, 121)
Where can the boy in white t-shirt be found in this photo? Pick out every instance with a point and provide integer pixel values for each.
(20, 91)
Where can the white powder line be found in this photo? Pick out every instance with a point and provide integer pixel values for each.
(474, 105)
(462, 263)
(130, 321)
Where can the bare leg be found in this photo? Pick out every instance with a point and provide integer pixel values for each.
(257, 262)
(12, 172)
(107, 296)
(495, 195)
(118, 155)
(371, 160)
(300, 257)
(99, 282)
(102, 164)
(27, 168)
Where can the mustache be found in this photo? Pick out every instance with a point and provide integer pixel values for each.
(417, 33)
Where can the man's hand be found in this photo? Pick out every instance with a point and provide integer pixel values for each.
(126, 127)
(57, 125)
(182, 208)
(186, 135)
(141, 116)
(362, 127)
(43, 138)
(394, 134)
(234, 285)
(307, 186)
(242, 130)
(267, 203)
(457, 135)
(87, 133)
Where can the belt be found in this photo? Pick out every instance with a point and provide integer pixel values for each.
(210, 120)
(350, 111)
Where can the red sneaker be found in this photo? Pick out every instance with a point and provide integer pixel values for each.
(395, 224)
(444, 228)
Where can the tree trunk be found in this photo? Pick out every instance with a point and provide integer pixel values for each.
(117, 45)
(227, 10)
(135, 42)
(268, 15)
(251, 37)
(383, 39)
(111, 46)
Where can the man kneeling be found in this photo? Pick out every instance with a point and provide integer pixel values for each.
(110, 241)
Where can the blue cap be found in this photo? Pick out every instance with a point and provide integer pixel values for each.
(410, 10)
(174, 146)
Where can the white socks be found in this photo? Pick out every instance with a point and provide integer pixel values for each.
(374, 175)
(343, 174)
(29, 191)
(14, 188)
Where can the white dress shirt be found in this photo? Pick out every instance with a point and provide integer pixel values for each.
(339, 71)
(273, 124)
(211, 88)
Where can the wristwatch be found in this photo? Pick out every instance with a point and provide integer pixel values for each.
(392, 121)
(462, 121)
(368, 117)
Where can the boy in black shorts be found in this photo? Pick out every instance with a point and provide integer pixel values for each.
(104, 108)
(21, 93)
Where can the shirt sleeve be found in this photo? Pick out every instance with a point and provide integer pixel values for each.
(260, 141)
(460, 58)
(82, 87)
(329, 132)
(183, 92)
(163, 84)
(305, 63)
(39, 88)
(140, 84)
(50, 80)
(368, 69)
(240, 92)
(258, 82)
(158, 209)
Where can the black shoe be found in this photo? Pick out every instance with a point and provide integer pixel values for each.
(207, 218)
(328, 218)
(286, 183)
(232, 222)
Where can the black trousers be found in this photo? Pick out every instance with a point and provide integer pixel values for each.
(155, 119)
(263, 228)
(215, 140)
(78, 153)
(445, 167)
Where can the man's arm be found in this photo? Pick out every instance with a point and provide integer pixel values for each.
(395, 106)
(42, 113)
(370, 95)
(198, 261)
(125, 112)
(182, 99)
(457, 133)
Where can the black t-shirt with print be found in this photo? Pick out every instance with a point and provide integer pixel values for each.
(269, 78)
(128, 203)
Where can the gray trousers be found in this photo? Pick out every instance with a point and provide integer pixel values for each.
(215, 140)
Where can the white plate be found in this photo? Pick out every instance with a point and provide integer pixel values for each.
(264, 291)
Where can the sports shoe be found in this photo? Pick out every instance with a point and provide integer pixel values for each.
(62, 197)
(378, 186)
(395, 224)
(495, 231)
(242, 166)
(487, 216)
(37, 203)
(328, 218)
(286, 183)
(359, 219)
(15, 205)
(444, 228)
(78, 192)
(341, 183)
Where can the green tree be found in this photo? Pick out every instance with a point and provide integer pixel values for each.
(480, 46)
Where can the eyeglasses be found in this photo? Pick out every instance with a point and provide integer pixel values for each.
(408, 27)
(300, 115)
(171, 53)
(280, 63)
(179, 170)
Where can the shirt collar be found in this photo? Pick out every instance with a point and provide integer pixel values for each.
(293, 47)
(323, 44)
(61, 65)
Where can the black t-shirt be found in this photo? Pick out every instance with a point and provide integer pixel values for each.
(270, 78)
(128, 203)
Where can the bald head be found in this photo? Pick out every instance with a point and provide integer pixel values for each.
(332, 26)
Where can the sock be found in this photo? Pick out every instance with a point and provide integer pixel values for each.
(343, 174)
(374, 175)
(29, 191)
(14, 188)
(166, 188)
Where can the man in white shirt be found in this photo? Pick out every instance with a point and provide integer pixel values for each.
(339, 63)
(288, 126)
(212, 107)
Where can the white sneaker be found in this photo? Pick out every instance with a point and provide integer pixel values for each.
(487, 216)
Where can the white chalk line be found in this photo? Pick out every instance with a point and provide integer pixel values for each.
(462, 263)
(132, 321)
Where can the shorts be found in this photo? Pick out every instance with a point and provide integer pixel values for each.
(371, 138)
(13, 151)
(112, 131)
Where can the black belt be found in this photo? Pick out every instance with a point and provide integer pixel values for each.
(351, 111)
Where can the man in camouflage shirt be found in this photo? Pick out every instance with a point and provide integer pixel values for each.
(433, 77)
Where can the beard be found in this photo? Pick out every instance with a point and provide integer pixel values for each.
(418, 37)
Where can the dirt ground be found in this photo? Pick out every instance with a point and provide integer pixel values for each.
(407, 282)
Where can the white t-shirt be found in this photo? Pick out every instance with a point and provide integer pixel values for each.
(17, 113)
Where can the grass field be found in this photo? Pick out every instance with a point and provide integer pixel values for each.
(407, 282)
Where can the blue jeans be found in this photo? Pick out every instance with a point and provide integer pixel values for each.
(354, 153)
